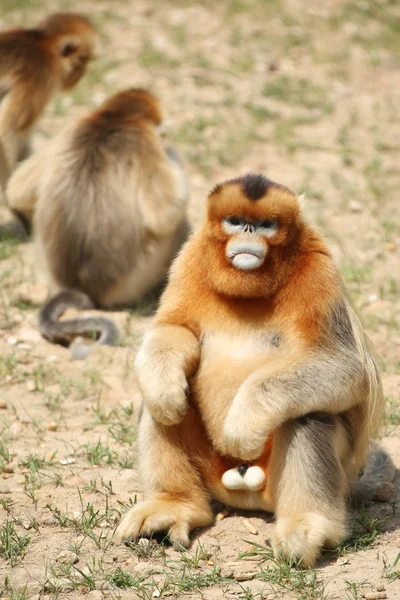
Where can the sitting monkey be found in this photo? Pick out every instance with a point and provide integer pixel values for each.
(255, 357)
(108, 205)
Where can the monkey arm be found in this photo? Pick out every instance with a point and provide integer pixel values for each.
(22, 188)
(328, 381)
(169, 355)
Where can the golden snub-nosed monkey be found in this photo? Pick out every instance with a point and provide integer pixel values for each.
(258, 382)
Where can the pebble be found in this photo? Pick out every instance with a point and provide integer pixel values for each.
(4, 488)
(30, 386)
(380, 587)
(67, 557)
(3, 404)
(24, 346)
(221, 515)
(11, 340)
(375, 596)
(355, 207)
(250, 527)
(52, 426)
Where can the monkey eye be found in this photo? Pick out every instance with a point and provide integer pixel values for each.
(68, 49)
(268, 224)
(233, 221)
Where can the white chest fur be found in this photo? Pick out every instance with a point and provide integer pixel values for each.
(239, 346)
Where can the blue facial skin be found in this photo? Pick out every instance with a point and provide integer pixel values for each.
(232, 225)
(247, 248)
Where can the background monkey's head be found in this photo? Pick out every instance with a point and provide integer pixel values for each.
(133, 104)
(252, 235)
(74, 39)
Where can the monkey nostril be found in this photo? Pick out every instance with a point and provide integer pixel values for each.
(242, 469)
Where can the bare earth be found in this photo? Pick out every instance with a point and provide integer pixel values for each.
(309, 94)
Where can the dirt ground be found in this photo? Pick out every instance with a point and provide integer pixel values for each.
(305, 92)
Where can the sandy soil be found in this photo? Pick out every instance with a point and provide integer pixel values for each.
(309, 94)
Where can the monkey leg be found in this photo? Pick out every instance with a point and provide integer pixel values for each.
(176, 499)
(310, 486)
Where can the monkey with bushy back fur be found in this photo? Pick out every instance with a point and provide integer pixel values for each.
(258, 382)
(108, 202)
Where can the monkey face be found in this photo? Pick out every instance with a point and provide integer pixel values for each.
(74, 59)
(250, 236)
(247, 248)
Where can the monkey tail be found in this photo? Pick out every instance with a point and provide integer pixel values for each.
(61, 332)
(375, 483)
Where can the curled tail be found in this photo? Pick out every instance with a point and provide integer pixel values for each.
(62, 332)
(375, 482)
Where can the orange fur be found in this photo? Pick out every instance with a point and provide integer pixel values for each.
(279, 373)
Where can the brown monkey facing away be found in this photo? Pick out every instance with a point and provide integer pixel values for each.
(255, 359)
(35, 63)
(109, 213)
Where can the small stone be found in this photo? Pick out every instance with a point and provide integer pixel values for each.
(24, 346)
(67, 461)
(372, 298)
(375, 596)
(52, 426)
(11, 340)
(221, 515)
(66, 557)
(30, 386)
(243, 576)
(390, 246)
(355, 207)
(250, 527)
(3, 404)
(10, 468)
(4, 488)
(380, 587)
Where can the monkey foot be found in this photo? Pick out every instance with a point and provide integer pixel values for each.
(301, 538)
(152, 516)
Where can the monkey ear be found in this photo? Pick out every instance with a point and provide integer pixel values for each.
(68, 46)
(302, 198)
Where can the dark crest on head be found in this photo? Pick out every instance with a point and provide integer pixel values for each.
(254, 186)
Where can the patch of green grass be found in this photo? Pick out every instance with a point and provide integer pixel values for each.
(100, 454)
(8, 247)
(391, 415)
(299, 92)
(378, 24)
(122, 579)
(356, 274)
(286, 576)
(391, 572)
(12, 545)
(150, 56)
(88, 520)
(364, 533)
(12, 593)
(5, 454)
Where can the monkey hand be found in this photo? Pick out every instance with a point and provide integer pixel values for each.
(166, 397)
(246, 428)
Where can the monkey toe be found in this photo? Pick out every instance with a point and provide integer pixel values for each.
(179, 536)
(300, 538)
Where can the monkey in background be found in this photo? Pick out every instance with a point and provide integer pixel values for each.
(108, 203)
(35, 64)
(256, 366)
